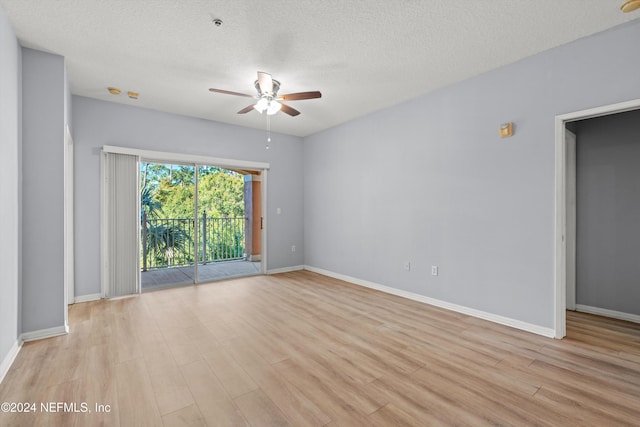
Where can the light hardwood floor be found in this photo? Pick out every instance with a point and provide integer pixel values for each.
(302, 349)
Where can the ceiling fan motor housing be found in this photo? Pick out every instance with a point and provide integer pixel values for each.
(276, 87)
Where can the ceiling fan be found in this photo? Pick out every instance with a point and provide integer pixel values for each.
(268, 99)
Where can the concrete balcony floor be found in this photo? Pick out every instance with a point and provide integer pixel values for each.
(174, 276)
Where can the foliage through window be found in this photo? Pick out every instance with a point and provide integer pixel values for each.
(167, 214)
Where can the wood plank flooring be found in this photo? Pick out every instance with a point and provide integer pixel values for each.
(301, 349)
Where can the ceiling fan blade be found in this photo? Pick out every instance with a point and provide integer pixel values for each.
(246, 109)
(290, 111)
(228, 92)
(300, 95)
(265, 82)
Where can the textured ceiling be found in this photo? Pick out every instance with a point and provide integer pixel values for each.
(363, 55)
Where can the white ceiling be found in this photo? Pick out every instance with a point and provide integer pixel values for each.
(363, 55)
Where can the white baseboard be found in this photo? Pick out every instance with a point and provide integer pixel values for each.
(517, 324)
(9, 358)
(286, 269)
(44, 333)
(87, 298)
(608, 313)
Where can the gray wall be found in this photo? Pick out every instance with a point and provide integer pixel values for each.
(608, 212)
(10, 146)
(98, 123)
(429, 180)
(43, 116)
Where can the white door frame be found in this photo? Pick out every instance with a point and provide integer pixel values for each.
(570, 225)
(263, 231)
(69, 283)
(560, 284)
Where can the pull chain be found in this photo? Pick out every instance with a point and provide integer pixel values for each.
(268, 131)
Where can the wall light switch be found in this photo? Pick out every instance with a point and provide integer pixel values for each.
(434, 270)
(278, 211)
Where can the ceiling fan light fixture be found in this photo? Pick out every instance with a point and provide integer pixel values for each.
(261, 105)
(269, 105)
(273, 107)
(630, 6)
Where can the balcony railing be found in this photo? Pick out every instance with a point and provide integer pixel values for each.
(169, 242)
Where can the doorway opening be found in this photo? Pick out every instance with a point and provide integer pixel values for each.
(197, 223)
(565, 210)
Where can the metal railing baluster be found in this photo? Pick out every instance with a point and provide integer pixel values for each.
(168, 242)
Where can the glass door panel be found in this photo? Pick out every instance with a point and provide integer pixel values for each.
(222, 225)
(167, 241)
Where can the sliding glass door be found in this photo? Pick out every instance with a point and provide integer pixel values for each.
(197, 224)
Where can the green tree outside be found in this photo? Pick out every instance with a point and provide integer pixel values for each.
(167, 191)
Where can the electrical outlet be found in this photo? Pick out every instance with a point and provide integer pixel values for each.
(293, 248)
(434, 270)
(406, 265)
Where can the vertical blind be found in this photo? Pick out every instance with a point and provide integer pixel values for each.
(122, 263)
